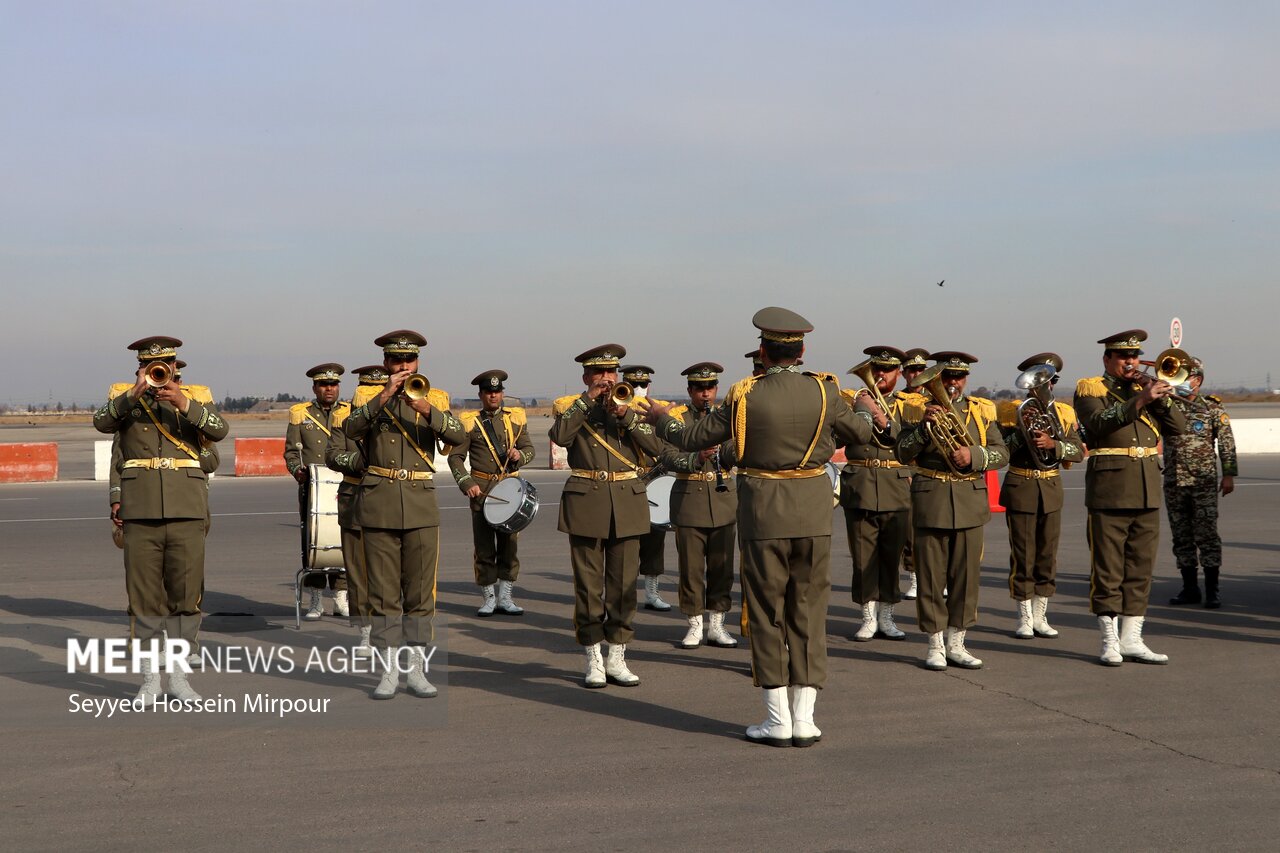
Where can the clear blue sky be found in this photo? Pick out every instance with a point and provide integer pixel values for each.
(279, 183)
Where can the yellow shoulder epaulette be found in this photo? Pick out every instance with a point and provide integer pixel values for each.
(1091, 386)
(341, 412)
(364, 393)
(1007, 413)
(851, 394)
(439, 399)
(1066, 415)
(518, 416)
(825, 377)
(468, 420)
(118, 388)
(913, 409)
(199, 393)
(737, 389)
(1213, 398)
(986, 407)
(562, 404)
(912, 396)
(298, 413)
(678, 411)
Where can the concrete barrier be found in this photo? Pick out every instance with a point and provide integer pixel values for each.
(102, 460)
(260, 457)
(1256, 435)
(29, 463)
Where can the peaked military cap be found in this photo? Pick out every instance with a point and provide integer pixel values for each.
(155, 347)
(372, 374)
(882, 356)
(605, 355)
(637, 372)
(754, 355)
(330, 371)
(401, 341)
(1042, 358)
(490, 380)
(704, 371)
(781, 325)
(1129, 340)
(915, 357)
(954, 360)
(1196, 368)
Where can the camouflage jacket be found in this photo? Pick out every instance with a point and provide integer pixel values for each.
(1190, 459)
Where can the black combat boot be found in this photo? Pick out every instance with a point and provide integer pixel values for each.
(1190, 589)
(1211, 600)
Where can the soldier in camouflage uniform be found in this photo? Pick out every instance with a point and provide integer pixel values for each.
(1191, 489)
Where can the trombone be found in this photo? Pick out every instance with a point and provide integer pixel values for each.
(1173, 366)
(947, 432)
(862, 370)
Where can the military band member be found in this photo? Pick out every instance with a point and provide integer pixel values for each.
(396, 509)
(784, 425)
(310, 426)
(1191, 488)
(1123, 414)
(875, 491)
(1032, 497)
(605, 511)
(345, 455)
(949, 506)
(704, 509)
(915, 363)
(164, 502)
(497, 445)
(757, 365)
(653, 545)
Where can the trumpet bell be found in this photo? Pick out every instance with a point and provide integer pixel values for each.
(1172, 366)
(416, 386)
(158, 374)
(1035, 376)
(622, 393)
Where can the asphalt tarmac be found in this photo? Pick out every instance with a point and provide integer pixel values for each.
(1042, 748)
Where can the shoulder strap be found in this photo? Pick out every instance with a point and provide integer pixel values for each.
(181, 445)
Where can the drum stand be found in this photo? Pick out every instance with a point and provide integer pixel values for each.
(303, 574)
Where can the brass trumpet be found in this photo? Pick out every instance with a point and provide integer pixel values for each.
(416, 386)
(947, 432)
(158, 374)
(1172, 366)
(862, 370)
(622, 393)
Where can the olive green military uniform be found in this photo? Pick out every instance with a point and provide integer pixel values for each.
(705, 520)
(489, 436)
(311, 425)
(1122, 490)
(784, 425)
(164, 499)
(396, 508)
(949, 510)
(1032, 494)
(604, 510)
(917, 359)
(653, 543)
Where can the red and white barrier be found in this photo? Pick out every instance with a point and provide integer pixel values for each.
(260, 457)
(29, 463)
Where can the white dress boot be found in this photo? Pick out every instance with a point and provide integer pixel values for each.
(957, 653)
(1131, 645)
(505, 603)
(693, 637)
(149, 692)
(885, 623)
(776, 728)
(364, 650)
(1110, 642)
(803, 731)
(595, 666)
(417, 681)
(490, 600)
(615, 666)
(317, 606)
(868, 628)
(180, 688)
(717, 635)
(936, 659)
(390, 681)
(340, 606)
(653, 601)
(1024, 631)
(1039, 624)
(913, 590)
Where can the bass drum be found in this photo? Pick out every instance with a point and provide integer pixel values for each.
(659, 491)
(510, 505)
(323, 549)
(833, 472)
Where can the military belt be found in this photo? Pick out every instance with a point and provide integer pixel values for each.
(1035, 473)
(787, 474)
(947, 476)
(604, 476)
(874, 463)
(347, 478)
(480, 475)
(398, 473)
(160, 463)
(1131, 452)
(708, 476)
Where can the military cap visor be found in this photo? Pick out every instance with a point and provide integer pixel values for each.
(636, 372)
(156, 347)
(1042, 358)
(953, 360)
(327, 372)
(882, 356)
(490, 380)
(604, 357)
(781, 325)
(703, 371)
(372, 374)
(401, 342)
(1130, 339)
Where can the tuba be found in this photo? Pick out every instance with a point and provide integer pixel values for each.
(416, 386)
(158, 374)
(948, 432)
(862, 370)
(1035, 414)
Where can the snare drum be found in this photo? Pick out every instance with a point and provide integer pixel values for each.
(833, 472)
(510, 505)
(323, 538)
(659, 491)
